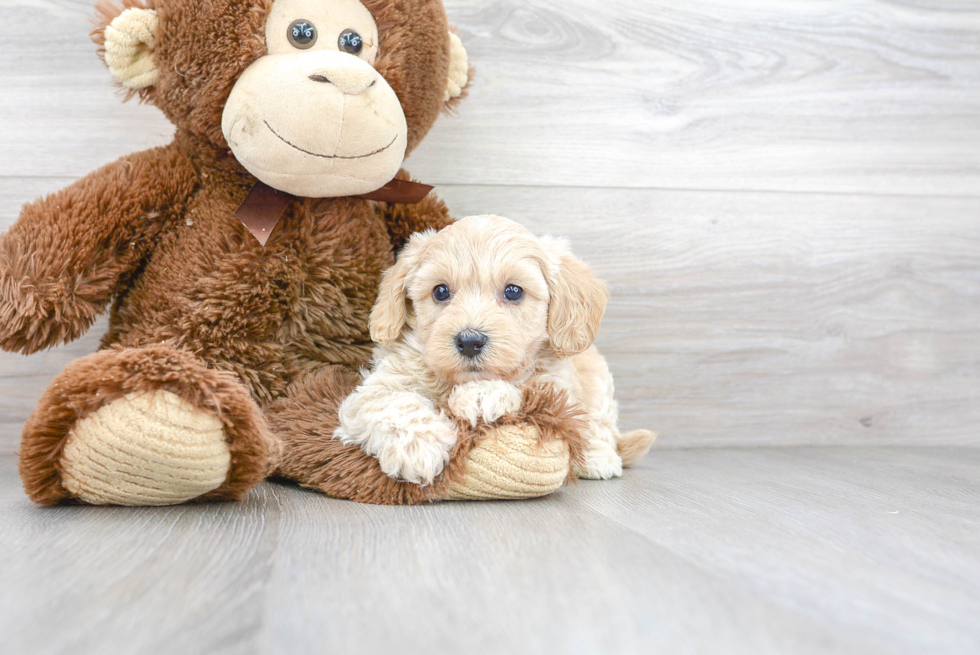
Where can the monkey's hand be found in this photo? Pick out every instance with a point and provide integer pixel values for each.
(68, 254)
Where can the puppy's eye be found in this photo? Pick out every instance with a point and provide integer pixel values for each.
(301, 34)
(441, 293)
(513, 293)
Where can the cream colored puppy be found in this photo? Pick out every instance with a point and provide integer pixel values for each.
(466, 317)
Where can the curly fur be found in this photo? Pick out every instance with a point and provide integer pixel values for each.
(400, 412)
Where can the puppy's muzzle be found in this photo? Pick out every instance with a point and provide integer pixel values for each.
(470, 343)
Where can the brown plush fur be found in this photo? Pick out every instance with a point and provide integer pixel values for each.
(70, 253)
(198, 306)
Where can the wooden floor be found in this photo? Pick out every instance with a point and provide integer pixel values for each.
(768, 550)
(785, 199)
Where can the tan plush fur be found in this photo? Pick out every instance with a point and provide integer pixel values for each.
(401, 412)
(333, 125)
(162, 449)
(264, 340)
(90, 383)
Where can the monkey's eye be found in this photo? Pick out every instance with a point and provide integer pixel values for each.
(301, 34)
(513, 293)
(441, 293)
(350, 41)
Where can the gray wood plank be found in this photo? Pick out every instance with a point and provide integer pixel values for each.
(857, 96)
(739, 318)
(806, 550)
(186, 579)
(837, 317)
(853, 536)
(753, 318)
(847, 96)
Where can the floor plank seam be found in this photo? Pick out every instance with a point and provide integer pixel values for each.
(651, 189)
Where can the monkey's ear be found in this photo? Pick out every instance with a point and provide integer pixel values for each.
(128, 44)
(459, 69)
(578, 300)
(390, 313)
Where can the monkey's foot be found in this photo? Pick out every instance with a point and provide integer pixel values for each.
(527, 454)
(144, 426)
(511, 462)
(150, 448)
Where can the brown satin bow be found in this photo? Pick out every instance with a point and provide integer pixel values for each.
(264, 206)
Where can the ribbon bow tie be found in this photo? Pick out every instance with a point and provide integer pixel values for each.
(264, 206)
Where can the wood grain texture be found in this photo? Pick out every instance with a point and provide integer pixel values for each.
(784, 199)
(811, 550)
(856, 96)
(740, 318)
(753, 318)
(850, 96)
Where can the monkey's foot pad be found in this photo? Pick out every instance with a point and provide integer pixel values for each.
(145, 449)
(512, 464)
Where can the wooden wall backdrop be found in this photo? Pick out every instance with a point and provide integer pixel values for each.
(784, 196)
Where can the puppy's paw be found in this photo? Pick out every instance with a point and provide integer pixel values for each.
(418, 452)
(403, 430)
(602, 462)
(486, 399)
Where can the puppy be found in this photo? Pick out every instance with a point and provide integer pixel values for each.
(464, 318)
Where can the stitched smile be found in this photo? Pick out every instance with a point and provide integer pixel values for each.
(315, 154)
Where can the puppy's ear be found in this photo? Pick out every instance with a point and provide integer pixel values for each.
(578, 300)
(390, 312)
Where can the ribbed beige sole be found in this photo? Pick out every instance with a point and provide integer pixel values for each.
(145, 449)
(512, 465)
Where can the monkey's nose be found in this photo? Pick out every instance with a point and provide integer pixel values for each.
(470, 343)
(351, 81)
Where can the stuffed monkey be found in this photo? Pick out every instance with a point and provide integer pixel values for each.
(239, 263)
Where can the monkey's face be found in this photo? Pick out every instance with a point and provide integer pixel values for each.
(319, 98)
(313, 117)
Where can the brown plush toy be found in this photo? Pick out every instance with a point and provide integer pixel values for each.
(242, 260)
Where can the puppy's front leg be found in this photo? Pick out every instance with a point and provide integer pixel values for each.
(486, 399)
(411, 440)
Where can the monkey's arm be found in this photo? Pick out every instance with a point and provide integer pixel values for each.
(69, 253)
(404, 219)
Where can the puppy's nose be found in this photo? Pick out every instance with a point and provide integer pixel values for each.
(470, 343)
